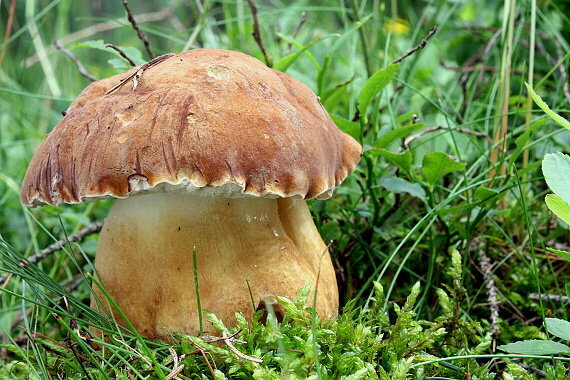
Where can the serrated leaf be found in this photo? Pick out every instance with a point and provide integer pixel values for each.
(553, 115)
(398, 134)
(347, 126)
(374, 85)
(535, 347)
(556, 170)
(558, 207)
(558, 327)
(400, 185)
(565, 255)
(400, 160)
(436, 165)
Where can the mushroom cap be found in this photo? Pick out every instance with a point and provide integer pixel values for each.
(207, 120)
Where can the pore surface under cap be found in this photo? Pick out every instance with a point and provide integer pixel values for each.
(202, 119)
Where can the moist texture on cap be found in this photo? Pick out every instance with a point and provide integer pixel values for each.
(208, 121)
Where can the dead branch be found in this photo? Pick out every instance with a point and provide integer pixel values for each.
(297, 29)
(82, 70)
(411, 138)
(228, 341)
(58, 245)
(257, 33)
(420, 46)
(140, 33)
(122, 53)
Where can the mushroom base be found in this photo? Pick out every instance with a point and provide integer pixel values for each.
(146, 249)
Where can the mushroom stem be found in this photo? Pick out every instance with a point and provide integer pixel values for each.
(145, 258)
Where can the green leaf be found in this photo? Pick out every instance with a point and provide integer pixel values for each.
(400, 185)
(484, 194)
(398, 134)
(558, 207)
(558, 327)
(284, 63)
(523, 139)
(553, 115)
(535, 347)
(400, 160)
(374, 85)
(565, 255)
(556, 170)
(347, 126)
(119, 62)
(436, 165)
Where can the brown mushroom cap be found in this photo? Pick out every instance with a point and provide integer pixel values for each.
(207, 119)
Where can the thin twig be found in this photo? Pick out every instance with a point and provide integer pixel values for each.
(297, 29)
(122, 53)
(257, 33)
(533, 369)
(135, 76)
(203, 353)
(58, 245)
(411, 138)
(420, 46)
(140, 33)
(82, 70)
(228, 341)
(177, 366)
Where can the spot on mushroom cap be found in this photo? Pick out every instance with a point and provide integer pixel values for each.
(207, 120)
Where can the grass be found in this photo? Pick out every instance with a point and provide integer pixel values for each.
(408, 239)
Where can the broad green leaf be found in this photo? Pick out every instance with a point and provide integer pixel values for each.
(565, 255)
(553, 115)
(284, 63)
(436, 165)
(558, 207)
(95, 44)
(558, 327)
(556, 170)
(535, 347)
(400, 160)
(133, 53)
(400, 185)
(347, 126)
(397, 134)
(483, 193)
(374, 85)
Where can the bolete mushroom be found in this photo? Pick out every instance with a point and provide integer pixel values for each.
(209, 153)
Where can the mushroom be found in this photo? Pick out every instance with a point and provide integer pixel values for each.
(209, 154)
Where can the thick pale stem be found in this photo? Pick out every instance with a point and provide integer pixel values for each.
(145, 258)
